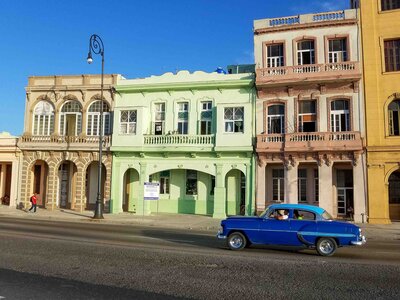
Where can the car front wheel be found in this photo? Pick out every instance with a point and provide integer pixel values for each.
(236, 241)
(326, 246)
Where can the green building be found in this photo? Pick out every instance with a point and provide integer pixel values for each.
(190, 133)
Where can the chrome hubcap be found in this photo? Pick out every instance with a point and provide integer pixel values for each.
(326, 247)
(236, 241)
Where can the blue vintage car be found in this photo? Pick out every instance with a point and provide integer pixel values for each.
(297, 225)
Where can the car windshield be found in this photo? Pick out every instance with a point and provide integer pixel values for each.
(326, 216)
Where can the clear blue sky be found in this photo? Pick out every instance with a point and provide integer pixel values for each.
(141, 37)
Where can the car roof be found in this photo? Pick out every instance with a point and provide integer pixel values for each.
(313, 208)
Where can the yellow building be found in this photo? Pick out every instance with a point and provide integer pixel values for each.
(380, 27)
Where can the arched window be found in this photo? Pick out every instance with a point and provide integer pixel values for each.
(394, 118)
(276, 119)
(71, 119)
(93, 119)
(394, 188)
(340, 116)
(43, 118)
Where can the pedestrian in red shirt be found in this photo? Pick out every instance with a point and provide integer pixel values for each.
(33, 201)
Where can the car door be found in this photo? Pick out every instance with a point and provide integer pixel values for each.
(303, 228)
(273, 231)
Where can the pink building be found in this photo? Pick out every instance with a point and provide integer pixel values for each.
(309, 112)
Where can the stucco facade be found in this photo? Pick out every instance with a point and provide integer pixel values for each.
(380, 36)
(310, 112)
(60, 144)
(191, 133)
(10, 161)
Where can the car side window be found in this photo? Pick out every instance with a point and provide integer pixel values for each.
(278, 214)
(303, 215)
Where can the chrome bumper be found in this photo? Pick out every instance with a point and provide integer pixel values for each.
(220, 236)
(360, 242)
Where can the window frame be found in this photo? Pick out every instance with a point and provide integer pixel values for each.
(386, 57)
(207, 121)
(234, 121)
(312, 52)
(279, 181)
(300, 116)
(269, 118)
(191, 183)
(162, 120)
(78, 118)
(184, 130)
(381, 6)
(92, 115)
(391, 117)
(128, 122)
(346, 56)
(302, 190)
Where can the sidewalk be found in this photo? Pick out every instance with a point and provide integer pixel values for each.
(163, 220)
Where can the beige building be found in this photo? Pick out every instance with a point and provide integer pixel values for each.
(10, 157)
(60, 144)
(309, 112)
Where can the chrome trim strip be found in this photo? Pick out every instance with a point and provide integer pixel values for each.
(328, 234)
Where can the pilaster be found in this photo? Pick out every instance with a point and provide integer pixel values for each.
(260, 186)
(291, 193)
(325, 187)
(219, 193)
(359, 193)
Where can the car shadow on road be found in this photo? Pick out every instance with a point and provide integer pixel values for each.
(193, 239)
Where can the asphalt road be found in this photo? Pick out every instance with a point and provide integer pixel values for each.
(60, 260)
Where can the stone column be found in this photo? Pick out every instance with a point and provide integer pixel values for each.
(260, 183)
(219, 193)
(107, 183)
(25, 183)
(80, 194)
(51, 191)
(2, 179)
(57, 130)
(291, 193)
(14, 184)
(325, 187)
(359, 192)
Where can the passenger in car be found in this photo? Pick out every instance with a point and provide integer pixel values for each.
(297, 215)
(282, 214)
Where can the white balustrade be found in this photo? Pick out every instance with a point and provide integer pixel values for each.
(179, 139)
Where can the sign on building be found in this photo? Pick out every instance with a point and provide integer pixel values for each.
(151, 191)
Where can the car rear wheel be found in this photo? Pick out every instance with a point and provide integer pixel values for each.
(326, 246)
(236, 241)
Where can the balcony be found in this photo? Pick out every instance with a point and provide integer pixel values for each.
(309, 73)
(63, 143)
(179, 140)
(310, 142)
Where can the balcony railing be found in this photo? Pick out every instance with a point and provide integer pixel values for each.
(65, 140)
(333, 71)
(179, 139)
(310, 141)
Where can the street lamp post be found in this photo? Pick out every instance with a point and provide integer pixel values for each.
(97, 47)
